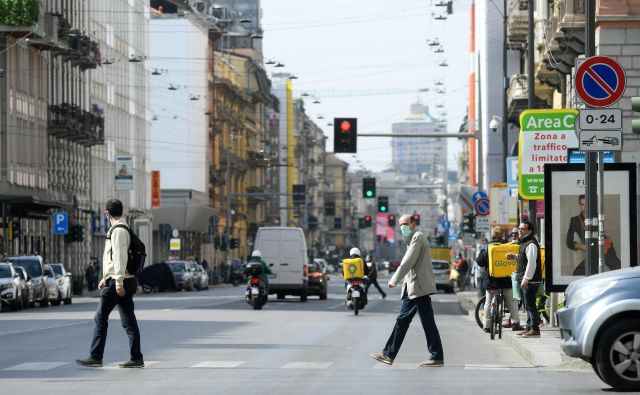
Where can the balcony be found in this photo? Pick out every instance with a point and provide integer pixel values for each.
(40, 27)
(566, 36)
(70, 122)
(82, 51)
(216, 176)
(517, 24)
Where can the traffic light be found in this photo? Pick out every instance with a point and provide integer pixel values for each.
(345, 134)
(383, 204)
(392, 220)
(361, 223)
(79, 233)
(416, 219)
(468, 224)
(635, 122)
(367, 221)
(368, 187)
(16, 229)
(299, 194)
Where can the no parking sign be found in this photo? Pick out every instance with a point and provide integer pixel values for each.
(600, 81)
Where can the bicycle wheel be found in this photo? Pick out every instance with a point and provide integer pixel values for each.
(494, 317)
(500, 315)
(480, 311)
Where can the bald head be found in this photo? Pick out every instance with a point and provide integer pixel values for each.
(407, 219)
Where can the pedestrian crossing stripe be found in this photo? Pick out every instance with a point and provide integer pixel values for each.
(218, 364)
(400, 366)
(486, 367)
(114, 365)
(37, 366)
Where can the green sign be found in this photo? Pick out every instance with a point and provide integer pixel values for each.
(545, 137)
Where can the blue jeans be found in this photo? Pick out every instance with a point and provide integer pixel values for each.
(108, 301)
(533, 316)
(421, 305)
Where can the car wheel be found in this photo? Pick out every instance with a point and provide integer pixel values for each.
(617, 357)
(44, 302)
(67, 300)
(280, 295)
(57, 301)
(323, 294)
(303, 296)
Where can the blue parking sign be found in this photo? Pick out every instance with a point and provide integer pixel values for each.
(60, 223)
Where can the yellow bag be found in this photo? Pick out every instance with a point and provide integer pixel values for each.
(455, 275)
(500, 266)
(352, 268)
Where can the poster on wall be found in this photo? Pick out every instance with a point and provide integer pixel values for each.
(564, 227)
(124, 173)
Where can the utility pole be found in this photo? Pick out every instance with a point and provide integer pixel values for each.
(505, 86)
(531, 86)
(591, 158)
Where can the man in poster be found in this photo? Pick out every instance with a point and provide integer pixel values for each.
(575, 241)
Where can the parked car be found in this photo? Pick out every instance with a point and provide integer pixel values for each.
(64, 281)
(55, 296)
(204, 277)
(317, 283)
(10, 287)
(323, 265)
(196, 275)
(34, 265)
(28, 299)
(441, 272)
(600, 323)
(181, 274)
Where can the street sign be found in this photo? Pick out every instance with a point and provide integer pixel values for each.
(60, 223)
(600, 119)
(576, 156)
(174, 244)
(545, 137)
(453, 235)
(600, 81)
(482, 224)
(478, 195)
(601, 140)
(482, 206)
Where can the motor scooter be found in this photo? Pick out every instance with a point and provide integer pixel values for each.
(256, 292)
(356, 297)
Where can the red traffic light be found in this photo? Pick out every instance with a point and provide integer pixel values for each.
(416, 219)
(345, 126)
(367, 218)
(392, 220)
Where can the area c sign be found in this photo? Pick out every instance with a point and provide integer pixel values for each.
(545, 137)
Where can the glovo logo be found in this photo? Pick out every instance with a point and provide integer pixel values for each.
(504, 263)
(352, 269)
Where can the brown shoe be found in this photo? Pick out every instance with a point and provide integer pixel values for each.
(532, 333)
(522, 333)
(378, 356)
(433, 362)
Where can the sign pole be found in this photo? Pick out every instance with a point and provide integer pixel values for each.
(531, 86)
(600, 212)
(590, 176)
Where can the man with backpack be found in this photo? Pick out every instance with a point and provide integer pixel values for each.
(123, 257)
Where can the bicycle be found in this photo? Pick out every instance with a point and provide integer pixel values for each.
(480, 310)
(496, 312)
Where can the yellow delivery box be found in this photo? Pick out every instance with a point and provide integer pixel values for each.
(440, 253)
(353, 268)
(500, 266)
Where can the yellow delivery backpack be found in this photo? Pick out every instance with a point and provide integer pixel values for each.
(352, 268)
(500, 266)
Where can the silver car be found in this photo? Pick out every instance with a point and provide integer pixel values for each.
(63, 277)
(34, 266)
(55, 297)
(600, 323)
(10, 287)
(441, 272)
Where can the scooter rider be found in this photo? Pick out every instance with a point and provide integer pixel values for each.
(256, 257)
(354, 253)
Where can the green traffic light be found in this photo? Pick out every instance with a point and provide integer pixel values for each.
(383, 208)
(369, 193)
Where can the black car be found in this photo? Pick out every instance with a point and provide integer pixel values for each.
(317, 281)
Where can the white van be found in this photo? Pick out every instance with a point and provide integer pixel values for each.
(285, 251)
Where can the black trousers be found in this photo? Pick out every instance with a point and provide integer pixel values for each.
(374, 281)
(533, 315)
(108, 301)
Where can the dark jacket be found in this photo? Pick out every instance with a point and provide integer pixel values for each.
(482, 260)
(373, 270)
(521, 263)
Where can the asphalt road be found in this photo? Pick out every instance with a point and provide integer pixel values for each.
(212, 342)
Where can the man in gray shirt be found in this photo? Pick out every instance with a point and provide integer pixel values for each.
(419, 283)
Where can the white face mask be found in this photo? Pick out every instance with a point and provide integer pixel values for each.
(405, 230)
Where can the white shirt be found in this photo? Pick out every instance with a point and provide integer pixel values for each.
(115, 254)
(532, 255)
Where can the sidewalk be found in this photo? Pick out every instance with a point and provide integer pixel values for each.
(542, 352)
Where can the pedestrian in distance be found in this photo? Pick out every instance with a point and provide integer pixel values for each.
(117, 288)
(419, 283)
(462, 266)
(503, 283)
(373, 276)
(89, 276)
(528, 275)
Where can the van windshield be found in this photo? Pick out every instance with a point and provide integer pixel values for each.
(5, 271)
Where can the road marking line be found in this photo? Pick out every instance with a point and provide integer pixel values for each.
(37, 366)
(485, 367)
(218, 364)
(306, 365)
(42, 329)
(403, 366)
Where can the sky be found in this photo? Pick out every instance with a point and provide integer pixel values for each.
(368, 59)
